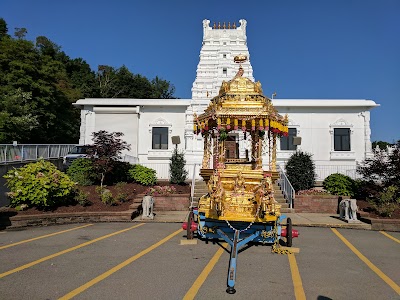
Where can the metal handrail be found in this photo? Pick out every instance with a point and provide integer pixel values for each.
(30, 152)
(287, 188)
(192, 187)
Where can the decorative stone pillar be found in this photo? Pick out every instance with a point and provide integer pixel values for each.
(273, 165)
(269, 151)
(207, 151)
(258, 151)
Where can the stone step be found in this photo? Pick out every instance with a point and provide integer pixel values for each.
(199, 191)
(135, 206)
(280, 200)
(287, 210)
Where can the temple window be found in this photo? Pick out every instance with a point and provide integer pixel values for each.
(224, 71)
(287, 141)
(341, 139)
(160, 138)
(224, 55)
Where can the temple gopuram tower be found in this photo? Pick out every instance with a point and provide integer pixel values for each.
(221, 43)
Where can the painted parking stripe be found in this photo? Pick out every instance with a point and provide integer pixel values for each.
(118, 267)
(389, 236)
(192, 292)
(378, 272)
(43, 236)
(65, 251)
(296, 278)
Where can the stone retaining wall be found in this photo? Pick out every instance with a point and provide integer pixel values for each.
(316, 204)
(64, 218)
(177, 202)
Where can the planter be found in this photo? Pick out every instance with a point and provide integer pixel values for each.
(316, 204)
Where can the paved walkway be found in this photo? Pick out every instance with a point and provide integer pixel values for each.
(298, 219)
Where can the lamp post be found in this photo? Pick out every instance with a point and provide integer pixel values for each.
(176, 140)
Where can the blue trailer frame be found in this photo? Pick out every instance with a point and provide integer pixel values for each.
(237, 234)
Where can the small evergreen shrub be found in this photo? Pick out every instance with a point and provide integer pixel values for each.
(300, 170)
(121, 196)
(82, 198)
(177, 169)
(107, 197)
(81, 171)
(143, 175)
(39, 184)
(339, 184)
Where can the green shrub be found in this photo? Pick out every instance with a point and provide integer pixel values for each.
(81, 171)
(121, 196)
(300, 170)
(339, 184)
(119, 172)
(39, 184)
(386, 202)
(143, 175)
(107, 197)
(177, 169)
(82, 198)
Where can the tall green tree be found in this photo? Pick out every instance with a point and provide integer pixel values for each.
(25, 68)
(20, 33)
(381, 145)
(16, 119)
(3, 28)
(162, 89)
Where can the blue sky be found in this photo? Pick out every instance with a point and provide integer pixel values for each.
(338, 49)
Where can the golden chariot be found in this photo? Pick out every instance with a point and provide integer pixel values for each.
(238, 127)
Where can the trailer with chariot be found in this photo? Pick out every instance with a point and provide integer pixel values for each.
(239, 127)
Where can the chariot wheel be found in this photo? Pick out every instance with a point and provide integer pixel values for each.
(289, 234)
(189, 232)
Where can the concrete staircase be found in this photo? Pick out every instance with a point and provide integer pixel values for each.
(201, 189)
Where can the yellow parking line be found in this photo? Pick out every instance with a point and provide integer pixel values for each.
(389, 236)
(65, 251)
(118, 267)
(43, 236)
(296, 278)
(378, 272)
(192, 292)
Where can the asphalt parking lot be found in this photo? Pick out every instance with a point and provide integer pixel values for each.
(147, 261)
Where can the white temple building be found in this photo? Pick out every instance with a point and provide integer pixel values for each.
(336, 132)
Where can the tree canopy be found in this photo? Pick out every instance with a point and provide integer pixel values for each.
(39, 83)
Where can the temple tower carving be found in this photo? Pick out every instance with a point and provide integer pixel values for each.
(221, 43)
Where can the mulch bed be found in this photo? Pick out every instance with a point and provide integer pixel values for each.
(130, 189)
(365, 207)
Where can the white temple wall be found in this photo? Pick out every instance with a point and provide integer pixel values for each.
(316, 127)
(172, 118)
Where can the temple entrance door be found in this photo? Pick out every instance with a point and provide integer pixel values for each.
(231, 147)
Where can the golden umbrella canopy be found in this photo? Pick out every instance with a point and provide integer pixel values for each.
(241, 104)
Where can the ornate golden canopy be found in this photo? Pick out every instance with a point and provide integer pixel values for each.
(241, 103)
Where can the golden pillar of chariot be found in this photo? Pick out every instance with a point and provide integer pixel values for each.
(239, 126)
